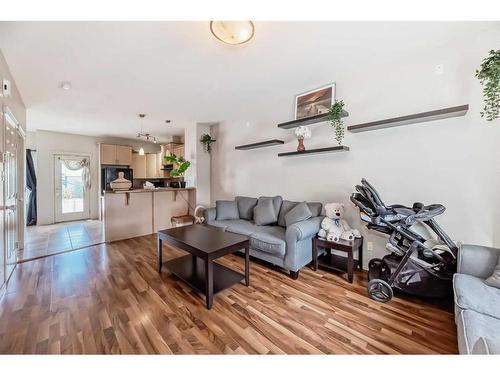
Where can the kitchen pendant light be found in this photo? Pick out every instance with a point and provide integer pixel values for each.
(233, 32)
(141, 150)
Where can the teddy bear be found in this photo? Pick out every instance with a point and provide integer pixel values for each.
(334, 226)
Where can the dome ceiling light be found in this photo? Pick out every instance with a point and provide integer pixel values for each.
(233, 32)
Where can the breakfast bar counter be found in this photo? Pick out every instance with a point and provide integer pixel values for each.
(138, 212)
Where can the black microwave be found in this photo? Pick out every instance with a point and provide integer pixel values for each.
(109, 174)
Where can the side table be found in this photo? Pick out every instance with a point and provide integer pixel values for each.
(336, 262)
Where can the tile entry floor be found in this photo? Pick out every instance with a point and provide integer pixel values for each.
(43, 240)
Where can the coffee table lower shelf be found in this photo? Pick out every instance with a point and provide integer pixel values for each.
(191, 270)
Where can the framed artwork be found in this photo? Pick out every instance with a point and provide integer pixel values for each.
(314, 102)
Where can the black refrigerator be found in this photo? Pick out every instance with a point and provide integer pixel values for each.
(109, 174)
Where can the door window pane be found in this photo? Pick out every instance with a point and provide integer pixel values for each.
(72, 190)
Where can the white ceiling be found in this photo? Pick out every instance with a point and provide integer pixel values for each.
(179, 71)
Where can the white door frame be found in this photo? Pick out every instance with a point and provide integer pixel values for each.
(59, 216)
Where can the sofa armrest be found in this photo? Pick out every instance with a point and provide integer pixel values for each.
(298, 238)
(479, 261)
(209, 214)
(303, 229)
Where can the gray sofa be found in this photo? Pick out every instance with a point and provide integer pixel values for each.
(477, 305)
(285, 246)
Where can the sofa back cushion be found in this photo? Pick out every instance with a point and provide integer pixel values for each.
(246, 206)
(226, 210)
(286, 206)
(299, 213)
(264, 212)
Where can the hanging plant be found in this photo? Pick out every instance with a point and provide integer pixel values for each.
(335, 117)
(207, 141)
(489, 76)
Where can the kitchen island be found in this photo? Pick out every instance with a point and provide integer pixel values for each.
(139, 212)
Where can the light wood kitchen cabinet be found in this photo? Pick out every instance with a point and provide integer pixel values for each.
(152, 169)
(108, 154)
(147, 166)
(174, 148)
(138, 165)
(124, 155)
(116, 155)
(179, 150)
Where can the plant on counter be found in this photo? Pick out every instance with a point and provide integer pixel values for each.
(335, 117)
(207, 141)
(489, 76)
(181, 165)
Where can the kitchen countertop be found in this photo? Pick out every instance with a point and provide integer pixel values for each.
(149, 190)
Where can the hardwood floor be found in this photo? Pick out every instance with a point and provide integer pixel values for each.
(110, 299)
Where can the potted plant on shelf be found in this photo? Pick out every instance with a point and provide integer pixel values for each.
(207, 141)
(180, 167)
(302, 132)
(335, 117)
(489, 76)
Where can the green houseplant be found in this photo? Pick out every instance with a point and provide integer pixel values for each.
(181, 165)
(335, 117)
(489, 76)
(207, 141)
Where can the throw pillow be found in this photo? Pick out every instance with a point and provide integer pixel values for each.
(277, 200)
(494, 279)
(299, 213)
(226, 210)
(264, 213)
(246, 206)
(286, 206)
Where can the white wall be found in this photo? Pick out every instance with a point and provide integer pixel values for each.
(198, 174)
(203, 196)
(451, 161)
(50, 143)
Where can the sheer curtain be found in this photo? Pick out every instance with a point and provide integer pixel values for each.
(75, 165)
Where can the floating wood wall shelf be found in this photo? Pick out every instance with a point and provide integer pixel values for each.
(411, 119)
(271, 142)
(315, 151)
(308, 120)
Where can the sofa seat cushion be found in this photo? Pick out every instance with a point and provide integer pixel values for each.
(270, 239)
(243, 227)
(471, 293)
(224, 224)
(478, 333)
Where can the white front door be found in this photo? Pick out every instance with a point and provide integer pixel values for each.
(72, 198)
(10, 168)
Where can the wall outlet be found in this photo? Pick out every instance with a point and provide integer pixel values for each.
(6, 88)
(439, 69)
(369, 246)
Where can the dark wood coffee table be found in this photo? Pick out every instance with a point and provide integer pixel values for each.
(198, 269)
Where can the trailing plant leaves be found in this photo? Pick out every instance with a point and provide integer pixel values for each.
(489, 76)
(335, 117)
(207, 141)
